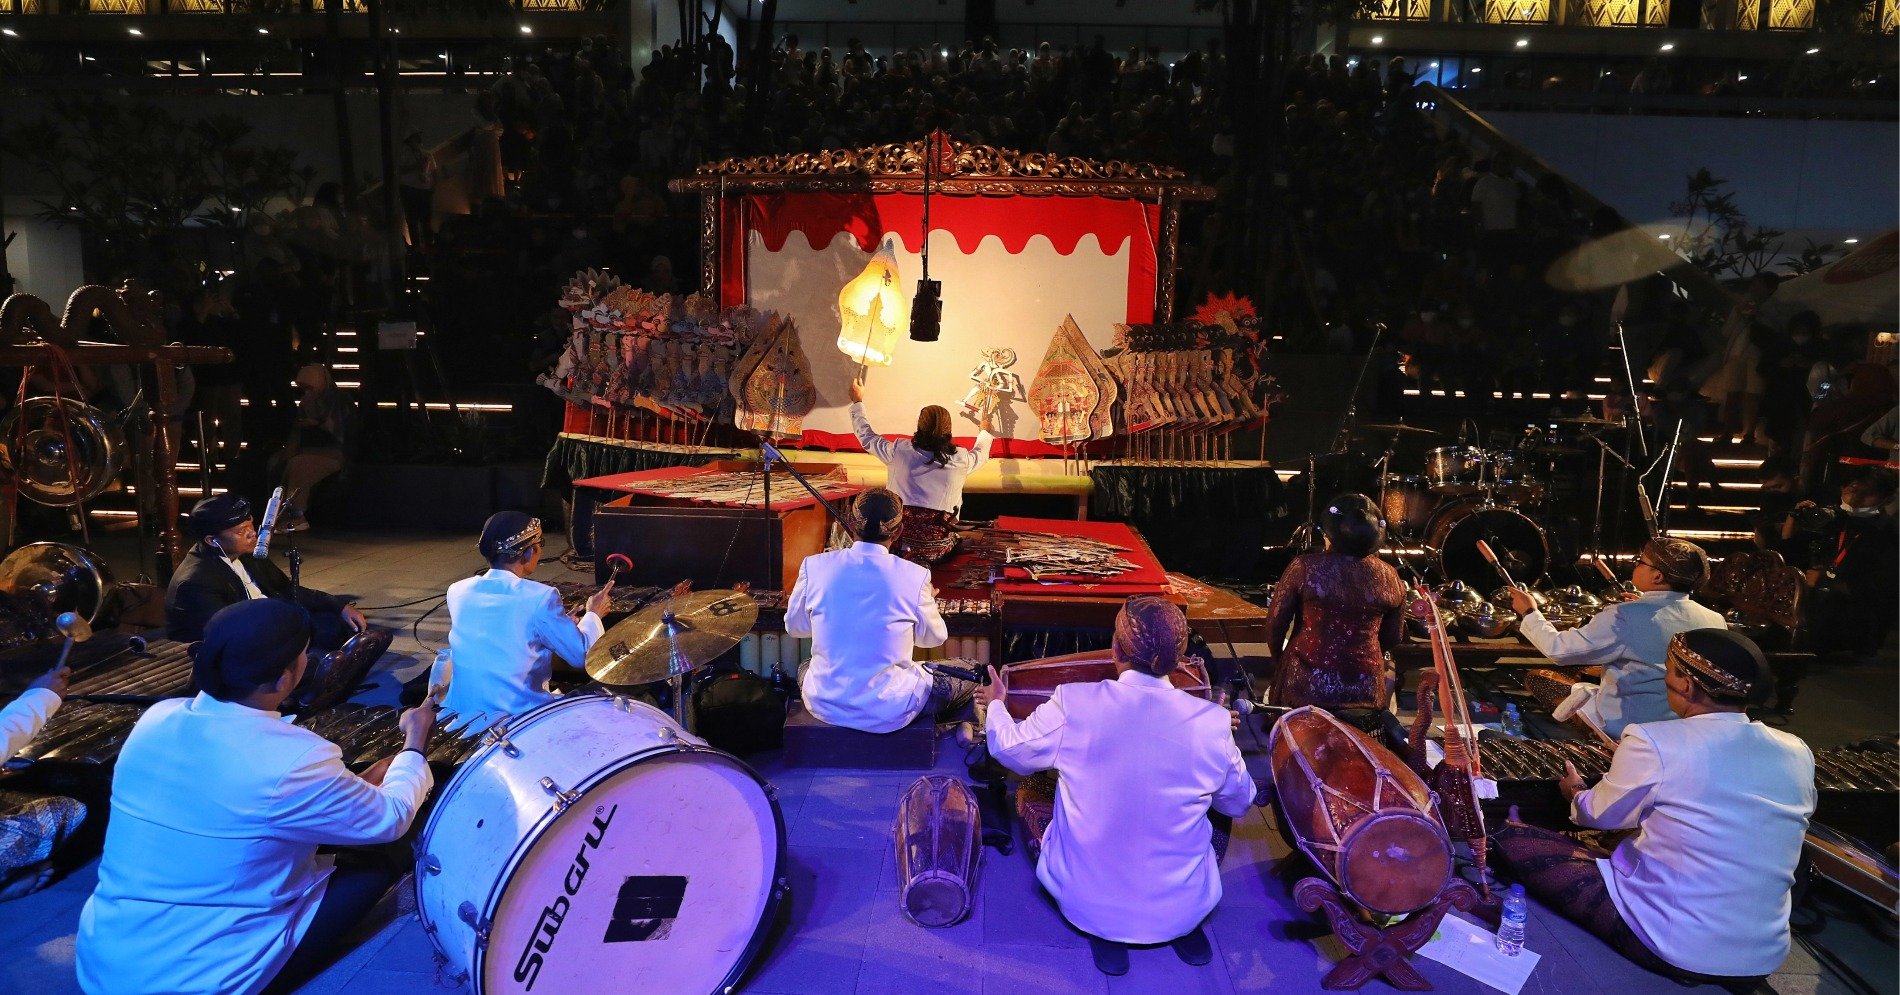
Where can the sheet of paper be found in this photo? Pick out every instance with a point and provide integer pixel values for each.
(1473, 952)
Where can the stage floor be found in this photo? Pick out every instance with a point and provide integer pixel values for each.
(845, 932)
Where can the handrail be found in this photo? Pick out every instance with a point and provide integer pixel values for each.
(1699, 105)
(1702, 288)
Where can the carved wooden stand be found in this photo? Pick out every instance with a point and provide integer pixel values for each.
(1379, 952)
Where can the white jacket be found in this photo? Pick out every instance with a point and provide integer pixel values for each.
(916, 477)
(210, 874)
(864, 611)
(504, 632)
(1719, 804)
(1631, 641)
(1129, 855)
(24, 717)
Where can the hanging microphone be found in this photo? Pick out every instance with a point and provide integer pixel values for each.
(1649, 510)
(270, 522)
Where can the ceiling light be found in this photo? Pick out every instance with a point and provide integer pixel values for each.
(1434, 65)
(1669, 46)
(263, 31)
(1523, 42)
(134, 32)
(1814, 51)
(1850, 241)
(1477, 69)
(1742, 77)
(1378, 39)
(9, 32)
(526, 30)
(1664, 237)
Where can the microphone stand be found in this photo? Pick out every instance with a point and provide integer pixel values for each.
(773, 455)
(1349, 420)
(1605, 453)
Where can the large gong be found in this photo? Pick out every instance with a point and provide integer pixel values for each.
(66, 577)
(33, 446)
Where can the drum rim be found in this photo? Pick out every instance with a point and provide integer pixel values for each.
(1361, 825)
(511, 866)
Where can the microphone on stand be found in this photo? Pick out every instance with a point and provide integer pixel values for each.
(1247, 706)
(1649, 510)
(270, 522)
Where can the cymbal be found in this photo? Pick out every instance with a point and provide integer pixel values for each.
(1586, 419)
(1399, 427)
(676, 636)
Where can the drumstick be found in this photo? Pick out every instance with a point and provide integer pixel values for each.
(1484, 548)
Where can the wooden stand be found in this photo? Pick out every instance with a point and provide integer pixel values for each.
(1379, 952)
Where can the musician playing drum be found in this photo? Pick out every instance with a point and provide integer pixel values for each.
(505, 630)
(926, 473)
(1630, 639)
(210, 880)
(1719, 804)
(1348, 606)
(865, 610)
(1129, 854)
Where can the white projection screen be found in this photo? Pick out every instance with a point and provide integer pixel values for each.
(1012, 269)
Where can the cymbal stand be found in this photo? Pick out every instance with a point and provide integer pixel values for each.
(1604, 454)
(1632, 418)
(1350, 419)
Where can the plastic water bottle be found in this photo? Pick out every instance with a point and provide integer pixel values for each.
(1511, 923)
(1513, 721)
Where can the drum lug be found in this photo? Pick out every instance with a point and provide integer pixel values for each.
(562, 799)
(429, 863)
(497, 735)
(466, 912)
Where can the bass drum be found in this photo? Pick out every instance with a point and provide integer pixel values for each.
(593, 844)
(1520, 543)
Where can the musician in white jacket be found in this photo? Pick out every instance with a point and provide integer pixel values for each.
(505, 630)
(1719, 804)
(865, 610)
(1629, 639)
(32, 826)
(210, 880)
(1129, 855)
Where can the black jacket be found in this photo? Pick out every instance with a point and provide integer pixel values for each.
(203, 584)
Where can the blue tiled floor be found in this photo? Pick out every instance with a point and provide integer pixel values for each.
(844, 932)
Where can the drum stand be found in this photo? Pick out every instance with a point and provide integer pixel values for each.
(1379, 952)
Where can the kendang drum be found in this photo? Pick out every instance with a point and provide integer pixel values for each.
(939, 834)
(1359, 813)
(593, 845)
(1450, 470)
(1454, 533)
(1032, 682)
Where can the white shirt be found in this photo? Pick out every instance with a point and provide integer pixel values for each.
(24, 717)
(864, 610)
(1496, 198)
(504, 632)
(210, 874)
(1631, 641)
(1720, 805)
(1129, 855)
(251, 590)
(915, 477)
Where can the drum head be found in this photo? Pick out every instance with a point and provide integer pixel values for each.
(1518, 542)
(660, 877)
(1394, 862)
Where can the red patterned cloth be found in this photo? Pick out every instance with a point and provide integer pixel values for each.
(1349, 611)
(929, 535)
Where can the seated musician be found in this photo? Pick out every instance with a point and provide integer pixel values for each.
(210, 880)
(1719, 804)
(506, 630)
(220, 571)
(1130, 854)
(32, 826)
(864, 610)
(1348, 607)
(1629, 639)
(926, 472)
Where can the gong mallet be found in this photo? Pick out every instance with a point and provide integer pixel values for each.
(1484, 549)
(76, 629)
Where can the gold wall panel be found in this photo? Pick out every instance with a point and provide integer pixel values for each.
(1517, 11)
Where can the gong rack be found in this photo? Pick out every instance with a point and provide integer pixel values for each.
(31, 337)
